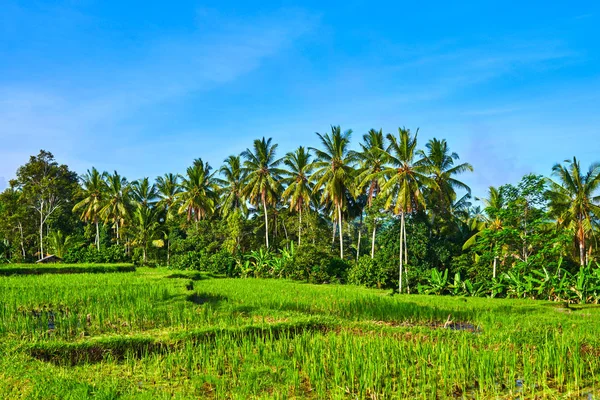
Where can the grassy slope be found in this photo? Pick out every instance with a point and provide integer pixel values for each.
(159, 334)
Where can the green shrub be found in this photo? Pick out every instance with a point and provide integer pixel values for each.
(367, 272)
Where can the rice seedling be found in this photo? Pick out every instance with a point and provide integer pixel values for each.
(154, 334)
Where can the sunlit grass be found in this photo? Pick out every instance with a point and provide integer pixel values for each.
(156, 333)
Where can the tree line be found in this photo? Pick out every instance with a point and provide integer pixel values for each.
(389, 213)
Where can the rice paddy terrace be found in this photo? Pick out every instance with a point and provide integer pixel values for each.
(158, 333)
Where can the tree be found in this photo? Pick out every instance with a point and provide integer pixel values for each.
(299, 190)
(47, 188)
(574, 201)
(406, 177)
(144, 193)
(263, 175)
(198, 195)
(59, 243)
(116, 208)
(232, 185)
(372, 162)
(147, 227)
(443, 171)
(334, 171)
(94, 192)
(14, 220)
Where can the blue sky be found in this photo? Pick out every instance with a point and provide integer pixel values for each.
(146, 87)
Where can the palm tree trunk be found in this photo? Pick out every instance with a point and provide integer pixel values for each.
(581, 246)
(373, 240)
(401, 249)
(334, 229)
(266, 223)
(495, 263)
(299, 226)
(97, 236)
(117, 232)
(168, 251)
(406, 259)
(22, 240)
(341, 236)
(359, 237)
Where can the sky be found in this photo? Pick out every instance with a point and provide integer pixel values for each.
(146, 87)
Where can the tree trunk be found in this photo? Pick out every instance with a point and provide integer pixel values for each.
(41, 233)
(22, 240)
(97, 237)
(117, 231)
(334, 229)
(373, 240)
(406, 259)
(266, 223)
(495, 263)
(359, 237)
(299, 226)
(341, 236)
(168, 251)
(401, 249)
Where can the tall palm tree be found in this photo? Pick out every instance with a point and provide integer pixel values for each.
(406, 177)
(94, 189)
(263, 175)
(443, 171)
(116, 208)
(299, 190)
(144, 193)
(232, 185)
(334, 171)
(167, 187)
(147, 227)
(198, 194)
(372, 161)
(574, 201)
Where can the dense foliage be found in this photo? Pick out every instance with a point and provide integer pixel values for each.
(389, 210)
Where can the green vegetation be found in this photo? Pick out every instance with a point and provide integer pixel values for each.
(159, 333)
(38, 269)
(392, 214)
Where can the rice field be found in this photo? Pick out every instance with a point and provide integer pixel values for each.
(158, 333)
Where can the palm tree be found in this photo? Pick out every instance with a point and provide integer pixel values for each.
(334, 171)
(443, 169)
(262, 182)
(144, 193)
(167, 187)
(372, 162)
(117, 201)
(147, 227)
(232, 186)
(58, 243)
(198, 195)
(406, 177)
(574, 201)
(94, 189)
(298, 191)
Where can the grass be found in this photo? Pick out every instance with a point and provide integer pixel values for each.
(39, 269)
(155, 333)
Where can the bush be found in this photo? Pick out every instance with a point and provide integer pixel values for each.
(367, 272)
(315, 265)
(106, 255)
(221, 262)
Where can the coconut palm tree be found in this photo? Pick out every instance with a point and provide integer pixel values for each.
(443, 171)
(297, 178)
(116, 208)
(406, 177)
(147, 228)
(144, 193)
(262, 185)
(167, 187)
(232, 185)
(372, 161)
(94, 190)
(198, 196)
(334, 171)
(574, 201)
(58, 243)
